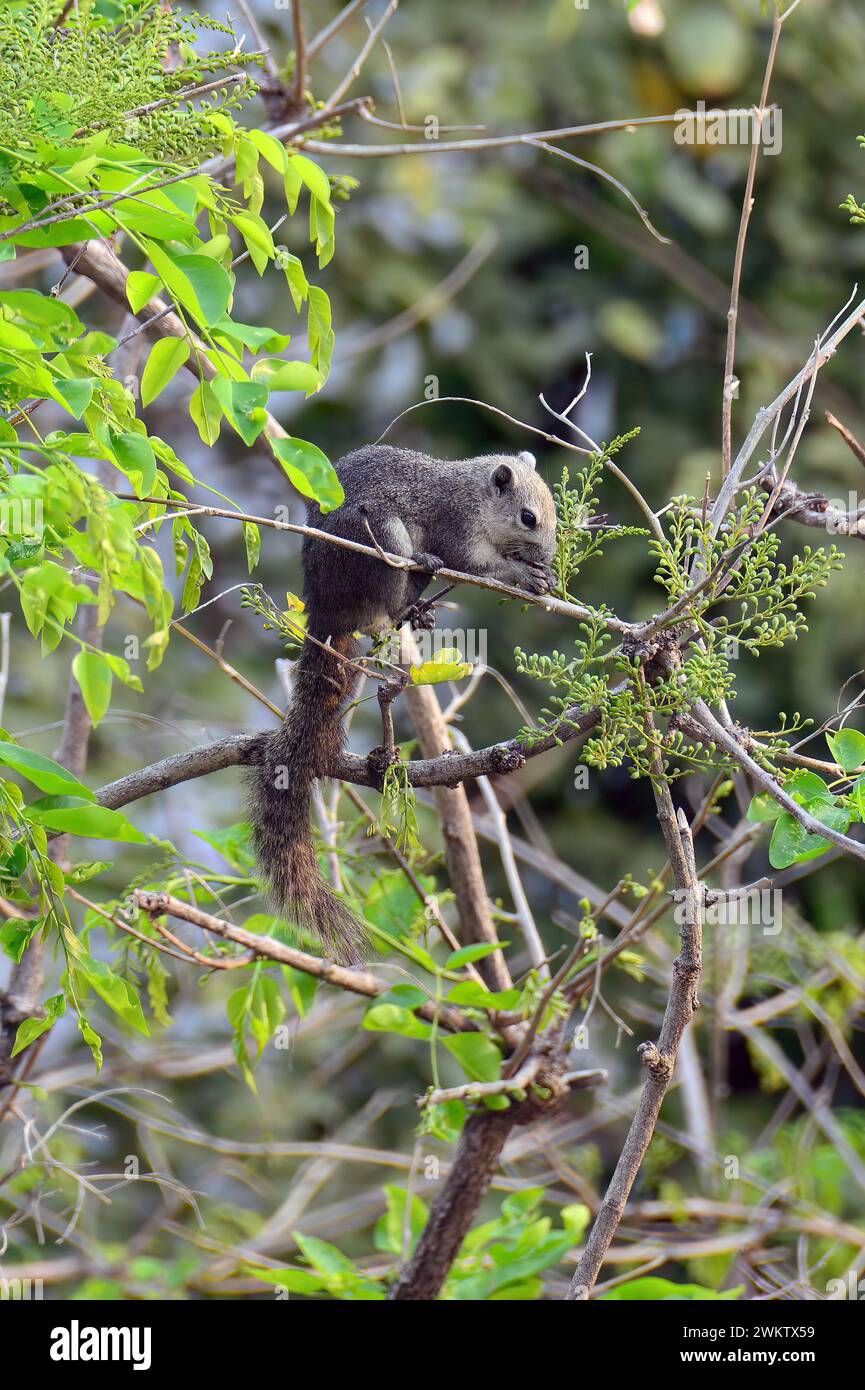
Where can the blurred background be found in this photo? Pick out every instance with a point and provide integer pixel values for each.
(491, 275)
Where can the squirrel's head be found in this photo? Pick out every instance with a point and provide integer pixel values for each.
(522, 515)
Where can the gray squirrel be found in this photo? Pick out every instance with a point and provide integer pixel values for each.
(490, 516)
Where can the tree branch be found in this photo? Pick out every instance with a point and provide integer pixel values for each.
(478, 1151)
(361, 982)
(241, 750)
(659, 1058)
(460, 841)
(747, 207)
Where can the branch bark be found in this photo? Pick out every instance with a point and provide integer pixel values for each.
(241, 750)
(478, 1152)
(659, 1058)
(362, 982)
(461, 845)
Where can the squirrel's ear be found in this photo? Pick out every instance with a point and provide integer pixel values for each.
(503, 478)
(528, 459)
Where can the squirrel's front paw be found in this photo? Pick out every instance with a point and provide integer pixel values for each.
(429, 562)
(538, 578)
(421, 617)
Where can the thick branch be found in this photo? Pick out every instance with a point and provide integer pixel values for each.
(241, 750)
(460, 841)
(453, 1210)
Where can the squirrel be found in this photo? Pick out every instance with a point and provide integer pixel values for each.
(489, 516)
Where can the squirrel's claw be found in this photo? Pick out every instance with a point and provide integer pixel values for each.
(421, 617)
(428, 561)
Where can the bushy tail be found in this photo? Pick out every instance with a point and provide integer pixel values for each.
(303, 748)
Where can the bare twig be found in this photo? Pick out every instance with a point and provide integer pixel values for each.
(847, 435)
(747, 206)
(658, 1058)
(354, 71)
(300, 55)
(325, 35)
(487, 142)
(603, 174)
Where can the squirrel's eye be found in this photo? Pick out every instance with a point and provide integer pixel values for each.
(528, 518)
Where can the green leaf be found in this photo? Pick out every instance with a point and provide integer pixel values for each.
(279, 375)
(252, 336)
(576, 1218)
(321, 338)
(211, 284)
(166, 359)
(273, 150)
(478, 1055)
(803, 787)
(391, 1018)
(343, 1278)
(77, 817)
(135, 457)
(477, 996)
(848, 748)
(119, 667)
(791, 843)
(325, 1257)
(93, 675)
(446, 665)
(654, 1290)
(302, 987)
(15, 934)
(92, 1039)
(389, 1233)
(310, 471)
(407, 996)
(244, 404)
(764, 807)
(48, 776)
(206, 411)
(252, 541)
(295, 1280)
(468, 954)
(77, 394)
(117, 993)
(257, 236)
(807, 786)
(199, 284)
(295, 275)
(141, 286)
(315, 179)
(508, 1266)
(33, 1028)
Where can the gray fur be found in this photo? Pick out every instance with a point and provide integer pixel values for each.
(467, 515)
